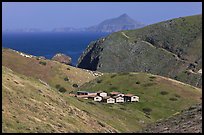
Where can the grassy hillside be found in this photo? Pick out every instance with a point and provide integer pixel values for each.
(188, 121)
(29, 106)
(51, 72)
(171, 48)
(159, 98)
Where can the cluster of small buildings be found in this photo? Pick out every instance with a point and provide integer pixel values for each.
(112, 97)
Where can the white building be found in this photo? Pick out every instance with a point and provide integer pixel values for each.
(135, 98)
(108, 100)
(97, 98)
(130, 98)
(119, 99)
(102, 94)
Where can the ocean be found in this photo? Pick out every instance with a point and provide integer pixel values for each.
(47, 44)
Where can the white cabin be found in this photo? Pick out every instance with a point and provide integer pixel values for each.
(121, 94)
(119, 99)
(134, 98)
(103, 94)
(97, 98)
(110, 100)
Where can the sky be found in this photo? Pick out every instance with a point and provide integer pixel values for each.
(49, 15)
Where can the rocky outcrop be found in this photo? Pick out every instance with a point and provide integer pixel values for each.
(188, 121)
(171, 48)
(62, 58)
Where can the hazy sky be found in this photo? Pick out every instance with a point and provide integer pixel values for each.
(49, 15)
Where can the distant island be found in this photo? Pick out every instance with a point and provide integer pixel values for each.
(123, 22)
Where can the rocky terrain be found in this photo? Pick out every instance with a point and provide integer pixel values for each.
(171, 48)
(186, 121)
(62, 58)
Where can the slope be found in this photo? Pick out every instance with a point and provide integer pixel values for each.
(171, 48)
(160, 98)
(31, 107)
(48, 71)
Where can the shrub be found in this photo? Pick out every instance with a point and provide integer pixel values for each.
(37, 58)
(137, 82)
(147, 110)
(62, 89)
(68, 68)
(148, 84)
(176, 95)
(152, 77)
(113, 88)
(57, 86)
(42, 63)
(101, 124)
(124, 73)
(66, 79)
(173, 99)
(99, 81)
(164, 93)
(112, 76)
(91, 103)
(75, 85)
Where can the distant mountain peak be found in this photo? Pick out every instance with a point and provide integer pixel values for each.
(122, 22)
(124, 16)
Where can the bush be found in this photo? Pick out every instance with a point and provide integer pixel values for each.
(66, 79)
(113, 88)
(173, 99)
(164, 93)
(57, 86)
(147, 110)
(101, 124)
(62, 89)
(112, 76)
(176, 95)
(152, 77)
(75, 85)
(42, 63)
(137, 82)
(148, 84)
(91, 103)
(124, 73)
(68, 68)
(99, 81)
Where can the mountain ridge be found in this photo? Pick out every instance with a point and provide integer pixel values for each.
(170, 48)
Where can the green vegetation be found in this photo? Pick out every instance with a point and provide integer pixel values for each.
(153, 105)
(167, 48)
(52, 73)
(164, 92)
(147, 110)
(75, 85)
(66, 79)
(29, 109)
(62, 89)
(42, 63)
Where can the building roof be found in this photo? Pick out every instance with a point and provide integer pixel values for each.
(107, 97)
(128, 95)
(117, 96)
(101, 91)
(83, 91)
(114, 92)
(93, 93)
(86, 96)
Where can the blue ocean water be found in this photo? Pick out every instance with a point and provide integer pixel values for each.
(47, 44)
